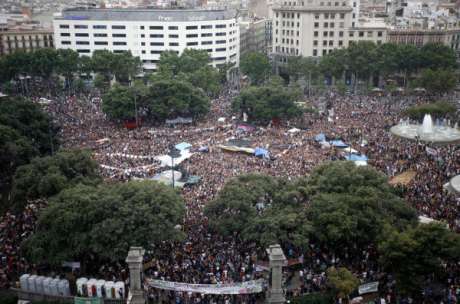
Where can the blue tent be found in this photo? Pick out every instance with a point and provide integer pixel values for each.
(260, 152)
(183, 146)
(338, 144)
(355, 157)
(320, 137)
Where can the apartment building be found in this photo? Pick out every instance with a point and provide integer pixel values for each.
(24, 40)
(316, 27)
(149, 32)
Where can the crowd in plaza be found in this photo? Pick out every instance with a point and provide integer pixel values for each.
(363, 122)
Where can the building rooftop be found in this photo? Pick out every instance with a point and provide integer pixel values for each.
(173, 15)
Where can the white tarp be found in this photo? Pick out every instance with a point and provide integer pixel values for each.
(248, 287)
(368, 288)
(166, 160)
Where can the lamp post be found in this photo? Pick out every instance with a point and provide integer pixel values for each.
(173, 153)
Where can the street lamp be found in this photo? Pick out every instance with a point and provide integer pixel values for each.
(173, 153)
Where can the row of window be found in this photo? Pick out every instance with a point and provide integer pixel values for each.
(118, 43)
(329, 25)
(86, 51)
(153, 27)
(329, 16)
(208, 50)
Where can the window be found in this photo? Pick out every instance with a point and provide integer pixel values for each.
(369, 34)
(64, 26)
(63, 35)
(316, 16)
(331, 34)
(209, 50)
(331, 42)
(101, 43)
(221, 34)
(142, 43)
(157, 43)
(316, 25)
(315, 52)
(80, 26)
(81, 35)
(315, 34)
(100, 35)
(118, 27)
(99, 27)
(173, 28)
(219, 58)
(331, 25)
(65, 42)
(324, 52)
(206, 42)
(221, 26)
(191, 35)
(83, 51)
(156, 36)
(156, 52)
(118, 51)
(324, 42)
(315, 42)
(156, 27)
(340, 42)
(221, 49)
(173, 44)
(173, 36)
(326, 25)
(326, 16)
(340, 34)
(119, 35)
(325, 34)
(361, 34)
(142, 27)
(379, 34)
(119, 43)
(192, 43)
(143, 51)
(82, 42)
(342, 16)
(191, 27)
(142, 35)
(206, 35)
(206, 27)
(220, 41)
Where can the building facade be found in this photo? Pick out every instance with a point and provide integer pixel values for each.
(254, 36)
(24, 40)
(420, 37)
(149, 32)
(317, 27)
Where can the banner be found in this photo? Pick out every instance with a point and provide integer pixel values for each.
(248, 287)
(78, 300)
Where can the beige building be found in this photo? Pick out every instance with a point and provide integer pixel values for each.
(316, 27)
(420, 37)
(25, 40)
(254, 36)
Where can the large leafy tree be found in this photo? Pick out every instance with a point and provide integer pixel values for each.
(333, 64)
(342, 281)
(350, 205)
(438, 56)
(47, 176)
(264, 103)
(438, 82)
(419, 257)
(257, 66)
(170, 98)
(118, 103)
(259, 209)
(100, 223)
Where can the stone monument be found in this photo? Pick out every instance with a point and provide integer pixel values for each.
(277, 261)
(134, 261)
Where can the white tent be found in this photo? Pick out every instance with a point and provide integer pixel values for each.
(166, 160)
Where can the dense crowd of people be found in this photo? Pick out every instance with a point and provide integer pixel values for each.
(363, 122)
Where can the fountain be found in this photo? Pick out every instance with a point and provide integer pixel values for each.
(439, 133)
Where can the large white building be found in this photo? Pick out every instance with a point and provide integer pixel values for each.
(149, 32)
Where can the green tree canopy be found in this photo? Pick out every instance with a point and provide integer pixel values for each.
(257, 66)
(438, 56)
(342, 281)
(47, 176)
(171, 98)
(105, 221)
(257, 209)
(350, 205)
(264, 103)
(418, 256)
(118, 103)
(439, 109)
(438, 81)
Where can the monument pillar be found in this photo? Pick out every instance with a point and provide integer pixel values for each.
(134, 261)
(277, 261)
